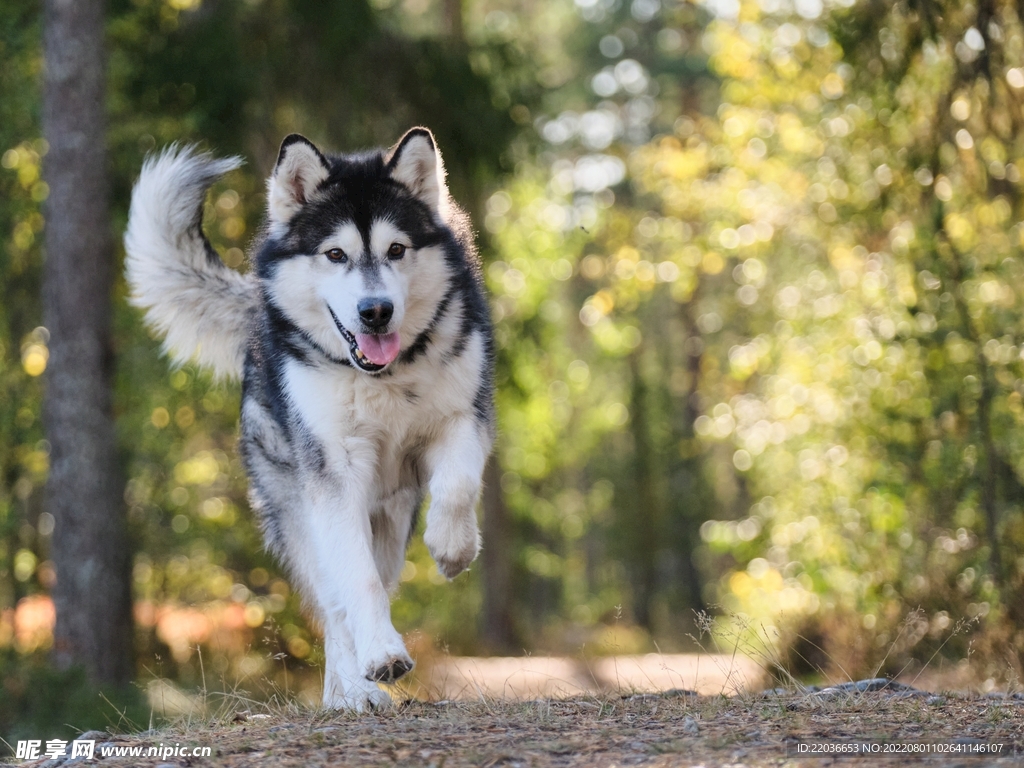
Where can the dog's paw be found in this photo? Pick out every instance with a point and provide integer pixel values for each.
(389, 668)
(385, 660)
(450, 568)
(378, 701)
(358, 698)
(453, 544)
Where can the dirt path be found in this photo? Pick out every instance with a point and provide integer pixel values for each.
(670, 729)
(559, 677)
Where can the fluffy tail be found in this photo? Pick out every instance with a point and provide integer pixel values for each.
(201, 307)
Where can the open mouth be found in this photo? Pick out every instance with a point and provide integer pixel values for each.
(371, 352)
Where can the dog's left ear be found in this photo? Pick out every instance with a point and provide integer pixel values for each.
(415, 162)
(300, 169)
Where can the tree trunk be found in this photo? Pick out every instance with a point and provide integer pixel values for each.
(498, 628)
(691, 498)
(90, 550)
(642, 530)
(453, 20)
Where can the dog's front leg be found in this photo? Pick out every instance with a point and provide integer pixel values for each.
(456, 461)
(352, 596)
(345, 685)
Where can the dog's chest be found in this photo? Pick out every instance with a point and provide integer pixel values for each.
(393, 418)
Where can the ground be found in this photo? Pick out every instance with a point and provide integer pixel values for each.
(674, 728)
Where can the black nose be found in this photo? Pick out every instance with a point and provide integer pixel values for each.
(376, 312)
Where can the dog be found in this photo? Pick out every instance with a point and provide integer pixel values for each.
(363, 339)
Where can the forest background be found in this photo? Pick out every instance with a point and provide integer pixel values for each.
(756, 271)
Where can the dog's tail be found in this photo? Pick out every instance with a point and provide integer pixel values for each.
(200, 306)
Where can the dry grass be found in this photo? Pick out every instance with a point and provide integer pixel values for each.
(548, 712)
(672, 729)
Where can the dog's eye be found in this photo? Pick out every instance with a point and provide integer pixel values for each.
(396, 251)
(337, 255)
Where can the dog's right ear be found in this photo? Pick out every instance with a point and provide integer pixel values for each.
(415, 163)
(300, 169)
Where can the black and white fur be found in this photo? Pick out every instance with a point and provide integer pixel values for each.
(341, 444)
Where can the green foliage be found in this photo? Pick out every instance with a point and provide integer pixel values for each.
(592, 345)
(890, 366)
(800, 322)
(22, 454)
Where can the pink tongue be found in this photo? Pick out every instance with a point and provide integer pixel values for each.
(379, 350)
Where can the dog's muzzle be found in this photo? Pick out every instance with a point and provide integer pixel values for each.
(371, 352)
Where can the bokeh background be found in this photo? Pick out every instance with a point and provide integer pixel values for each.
(756, 271)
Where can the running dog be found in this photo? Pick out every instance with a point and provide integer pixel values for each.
(363, 340)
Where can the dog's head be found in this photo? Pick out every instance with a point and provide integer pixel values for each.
(354, 253)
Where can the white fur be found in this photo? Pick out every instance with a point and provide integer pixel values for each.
(347, 238)
(383, 233)
(456, 463)
(345, 685)
(202, 308)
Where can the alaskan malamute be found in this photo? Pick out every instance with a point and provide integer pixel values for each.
(363, 339)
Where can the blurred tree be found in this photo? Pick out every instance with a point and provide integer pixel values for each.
(92, 594)
(497, 620)
(801, 323)
(865, 373)
(600, 371)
